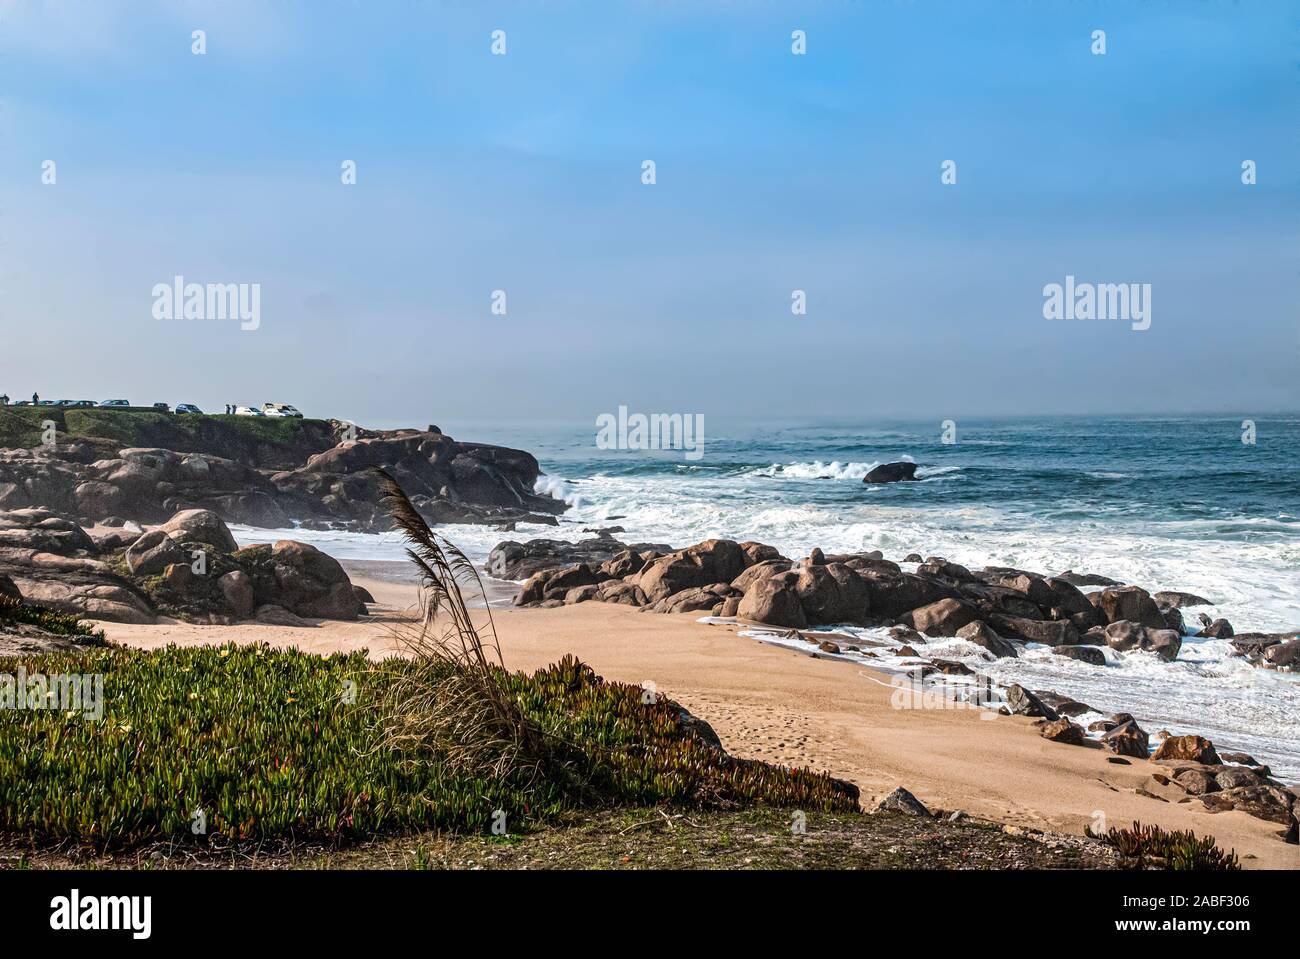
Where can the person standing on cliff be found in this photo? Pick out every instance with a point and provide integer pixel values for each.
(35, 399)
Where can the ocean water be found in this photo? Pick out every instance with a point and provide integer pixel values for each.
(1162, 502)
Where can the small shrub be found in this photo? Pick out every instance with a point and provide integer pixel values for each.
(1153, 847)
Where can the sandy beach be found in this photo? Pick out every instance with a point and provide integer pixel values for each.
(789, 707)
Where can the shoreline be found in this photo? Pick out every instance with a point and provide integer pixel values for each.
(788, 707)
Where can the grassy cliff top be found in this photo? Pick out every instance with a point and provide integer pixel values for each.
(269, 442)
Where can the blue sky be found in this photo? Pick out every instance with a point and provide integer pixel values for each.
(775, 172)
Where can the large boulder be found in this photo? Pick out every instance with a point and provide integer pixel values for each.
(1127, 739)
(620, 591)
(624, 563)
(1217, 629)
(980, 634)
(43, 531)
(1031, 586)
(99, 598)
(831, 594)
(96, 499)
(942, 618)
(760, 570)
(1285, 655)
(1196, 749)
(1175, 598)
(893, 594)
(1165, 643)
(1124, 635)
(1084, 654)
(694, 600)
(1049, 632)
(312, 583)
(153, 552)
(773, 601)
(1069, 602)
(1128, 603)
(237, 589)
(891, 473)
(713, 561)
(761, 552)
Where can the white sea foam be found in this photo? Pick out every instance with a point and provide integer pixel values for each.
(1206, 690)
(816, 470)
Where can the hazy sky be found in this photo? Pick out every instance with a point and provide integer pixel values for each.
(775, 172)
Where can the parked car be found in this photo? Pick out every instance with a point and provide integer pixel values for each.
(21, 403)
(162, 407)
(187, 408)
(79, 403)
(280, 409)
(50, 402)
(116, 403)
(248, 411)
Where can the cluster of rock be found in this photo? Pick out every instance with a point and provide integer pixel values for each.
(188, 568)
(448, 481)
(998, 608)
(1192, 769)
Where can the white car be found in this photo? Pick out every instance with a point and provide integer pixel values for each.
(280, 409)
(248, 411)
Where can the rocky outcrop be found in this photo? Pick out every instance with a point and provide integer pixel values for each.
(1193, 748)
(1125, 635)
(447, 481)
(323, 481)
(713, 561)
(891, 473)
(188, 568)
(1271, 650)
(512, 560)
(54, 563)
(999, 608)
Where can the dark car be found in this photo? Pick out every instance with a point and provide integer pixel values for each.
(162, 407)
(187, 408)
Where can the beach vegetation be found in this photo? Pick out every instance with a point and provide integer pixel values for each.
(15, 611)
(1151, 847)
